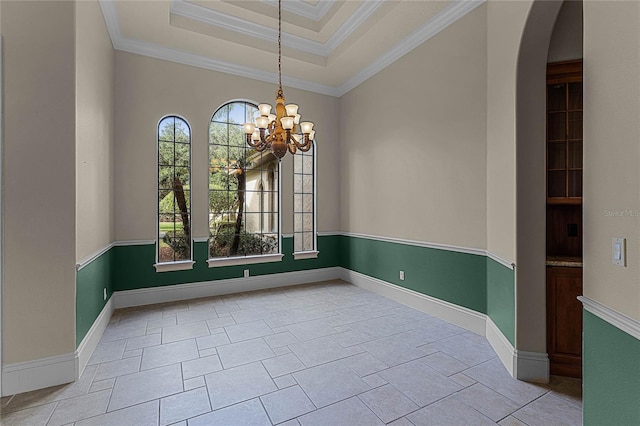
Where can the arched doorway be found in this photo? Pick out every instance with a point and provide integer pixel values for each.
(530, 324)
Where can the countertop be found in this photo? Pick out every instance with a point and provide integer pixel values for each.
(566, 261)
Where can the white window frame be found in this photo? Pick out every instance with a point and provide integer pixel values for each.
(309, 254)
(180, 265)
(217, 262)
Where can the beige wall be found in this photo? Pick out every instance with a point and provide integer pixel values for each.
(94, 131)
(39, 180)
(505, 22)
(413, 143)
(566, 40)
(148, 89)
(612, 152)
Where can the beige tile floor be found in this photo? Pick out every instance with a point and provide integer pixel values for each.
(323, 354)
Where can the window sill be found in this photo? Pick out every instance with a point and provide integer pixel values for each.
(244, 260)
(174, 266)
(306, 255)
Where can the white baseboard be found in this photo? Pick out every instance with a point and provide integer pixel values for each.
(523, 365)
(527, 366)
(45, 372)
(93, 336)
(38, 374)
(56, 370)
(148, 296)
(531, 366)
(458, 315)
(503, 347)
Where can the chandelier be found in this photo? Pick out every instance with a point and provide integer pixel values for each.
(285, 131)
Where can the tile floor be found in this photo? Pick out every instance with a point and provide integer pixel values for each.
(323, 354)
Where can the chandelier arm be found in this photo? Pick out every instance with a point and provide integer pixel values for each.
(305, 148)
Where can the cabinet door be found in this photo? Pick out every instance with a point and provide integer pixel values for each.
(564, 321)
(564, 133)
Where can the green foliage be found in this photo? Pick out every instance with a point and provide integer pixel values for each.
(249, 244)
(173, 154)
(169, 207)
(179, 243)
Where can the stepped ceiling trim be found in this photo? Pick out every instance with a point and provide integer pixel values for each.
(453, 11)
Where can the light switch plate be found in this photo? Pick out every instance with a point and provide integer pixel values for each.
(619, 252)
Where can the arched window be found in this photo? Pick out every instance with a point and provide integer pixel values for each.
(174, 195)
(304, 204)
(238, 215)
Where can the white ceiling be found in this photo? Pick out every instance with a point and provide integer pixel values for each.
(329, 46)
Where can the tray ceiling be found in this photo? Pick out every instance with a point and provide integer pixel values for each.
(329, 46)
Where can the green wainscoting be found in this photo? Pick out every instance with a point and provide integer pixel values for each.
(455, 277)
(469, 280)
(501, 298)
(133, 265)
(611, 374)
(91, 281)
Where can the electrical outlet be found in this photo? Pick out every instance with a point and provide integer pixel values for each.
(246, 273)
(104, 294)
(401, 275)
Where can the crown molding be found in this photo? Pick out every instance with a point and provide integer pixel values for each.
(366, 9)
(432, 27)
(445, 18)
(174, 55)
(314, 12)
(242, 26)
(231, 23)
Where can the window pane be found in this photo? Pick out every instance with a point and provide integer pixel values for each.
(240, 179)
(307, 166)
(182, 132)
(237, 113)
(165, 177)
(165, 153)
(182, 173)
(307, 205)
(221, 114)
(182, 153)
(174, 200)
(218, 133)
(297, 202)
(297, 242)
(307, 184)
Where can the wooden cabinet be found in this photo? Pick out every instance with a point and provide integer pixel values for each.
(564, 133)
(564, 217)
(564, 320)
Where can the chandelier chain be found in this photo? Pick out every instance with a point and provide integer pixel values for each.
(280, 45)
